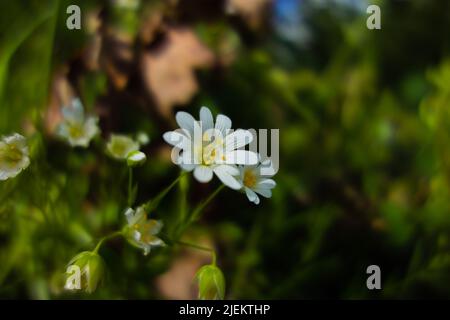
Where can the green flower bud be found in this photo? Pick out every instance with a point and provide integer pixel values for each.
(211, 283)
(136, 158)
(84, 272)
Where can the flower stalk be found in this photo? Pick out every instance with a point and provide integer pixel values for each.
(153, 204)
(199, 209)
(130, 187)
(198, 247)
(106, 238)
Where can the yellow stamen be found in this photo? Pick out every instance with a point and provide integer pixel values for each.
(250, 179)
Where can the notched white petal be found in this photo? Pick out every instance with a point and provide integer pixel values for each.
(206, 118)
(185, 121)
(252, 196)
(223, 123)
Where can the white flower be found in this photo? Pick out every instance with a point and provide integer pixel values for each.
(207, 147)
(120, 146)
(13, 156)
(254, 183)
(76, 128)
(141, 232)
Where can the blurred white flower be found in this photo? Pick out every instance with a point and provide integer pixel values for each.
(76, 128)
(126, 4)
(141, 232)
(13, 156)
(254, 183)
(143, 138)
(207, 147)
(120, 146)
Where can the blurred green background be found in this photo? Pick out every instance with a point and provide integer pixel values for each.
(364, 125)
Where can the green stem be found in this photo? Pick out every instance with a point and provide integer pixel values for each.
(106, 238)
(153, 204)
(196, 213)
(130, 186)
(195, 246)
(198, 210)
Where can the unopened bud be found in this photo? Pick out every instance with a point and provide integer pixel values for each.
(211, 283)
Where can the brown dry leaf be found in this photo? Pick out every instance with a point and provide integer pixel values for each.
(251, 10)
(168, 70)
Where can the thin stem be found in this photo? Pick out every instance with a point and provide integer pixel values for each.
(106, 238)
(195, 246)
(152, 204)
(198, 210)
(130, 186)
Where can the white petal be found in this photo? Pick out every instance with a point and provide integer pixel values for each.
(187, 167)
(136, 157)
(223, 173)
(206, 118)
(267, 193)
(5, 175)
(74, 113)
(230, 169)
(266, 183)
(185, 121)
(90, 127)
(253, 197)
(17, 140)
(77, 105)
(266, 168)
(203, 174)
(129, 214)
(237, 139)
(137, 235)
(241, 157)
(24, 163)
(157, 243)
(223, 123)
(157, 227)
(266, 163)
(176, 139)
(146, 249)
(189, 158)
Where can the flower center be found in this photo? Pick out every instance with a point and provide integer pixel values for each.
(10, 154)
(209, 154)
(212, 148)
(75, 131)
(119, 149)
(249, 179)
